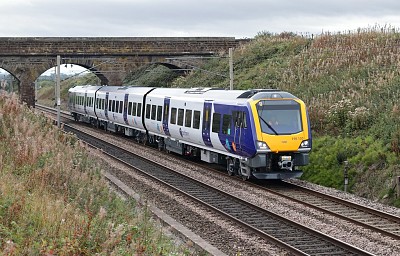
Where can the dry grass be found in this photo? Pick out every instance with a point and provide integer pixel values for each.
(54, 201)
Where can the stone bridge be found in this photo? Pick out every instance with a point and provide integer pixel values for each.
(111, 59)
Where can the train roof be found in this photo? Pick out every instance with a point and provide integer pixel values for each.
(202, 93)
(221, 94)
(84, 88)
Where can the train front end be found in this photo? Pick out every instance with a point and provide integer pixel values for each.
(283, 135)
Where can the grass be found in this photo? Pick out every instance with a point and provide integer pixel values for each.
(54, 200)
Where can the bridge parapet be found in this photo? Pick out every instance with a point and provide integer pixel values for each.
(113, 46)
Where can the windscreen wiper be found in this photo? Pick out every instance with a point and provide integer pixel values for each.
(269, 126)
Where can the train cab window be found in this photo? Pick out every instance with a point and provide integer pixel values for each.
(226, 124)
(129, 108)
(121, 106)
(159, 113)
(173, 116)
(181, 113)
(153, 112)
(109, 105)
(139, 109)
(196, 119)
(116, 106)
(103, 104)
(216, 123)
(148, 109)
(188, 118)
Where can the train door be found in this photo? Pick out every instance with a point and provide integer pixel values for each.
(106, 106)
(85, 102)
(239, 128)
(165, 116)
(125, 111)
(207, 123)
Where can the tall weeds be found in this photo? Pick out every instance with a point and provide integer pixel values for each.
(53, 199)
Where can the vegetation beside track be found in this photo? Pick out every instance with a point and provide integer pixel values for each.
(54, 200)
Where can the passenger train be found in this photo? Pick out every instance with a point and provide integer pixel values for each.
(262, 134)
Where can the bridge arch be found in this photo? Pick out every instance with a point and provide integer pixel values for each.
(111, 59)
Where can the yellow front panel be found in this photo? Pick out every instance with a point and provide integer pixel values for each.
(281, 143)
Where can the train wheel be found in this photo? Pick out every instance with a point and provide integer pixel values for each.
(245, 171)
(230, 167)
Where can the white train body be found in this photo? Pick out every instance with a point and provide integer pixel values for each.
(218, 126)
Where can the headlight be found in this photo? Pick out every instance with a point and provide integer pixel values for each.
(305, 144)
(262, 145)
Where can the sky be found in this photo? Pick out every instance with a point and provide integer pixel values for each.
(176, 18)
(180, 18)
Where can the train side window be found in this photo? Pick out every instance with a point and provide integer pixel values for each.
(181, 113)
(196, 119)
(114, 106)
(244, 120)
(129, 108)
(188, 118)
(103, 104)
(159, 113)
(139, 109)
(109, 105)
(148, 109)
(121, 105)
(134, 109)
(226, 124)
(239, 119)
(173, 116)
(153, 112)
(216, 123)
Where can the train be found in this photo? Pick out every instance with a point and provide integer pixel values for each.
(257, 133)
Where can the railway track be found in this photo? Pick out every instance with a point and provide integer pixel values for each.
(369, 218)
(384, 223)
(285, 233)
